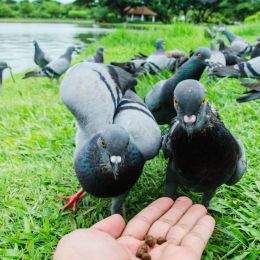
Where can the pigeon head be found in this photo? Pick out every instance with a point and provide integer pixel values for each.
(35, 43)
(100, 50)
(109, 148)
(70, 50)
(201, 55)
(3, 65)
(159, 43)
(220, 41)
(191, 105)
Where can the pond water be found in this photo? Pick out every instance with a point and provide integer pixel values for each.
(16, 41)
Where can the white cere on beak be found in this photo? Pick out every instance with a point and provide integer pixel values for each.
(115, 159)
(189, 119)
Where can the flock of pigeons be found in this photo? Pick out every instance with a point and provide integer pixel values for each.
(117, 131)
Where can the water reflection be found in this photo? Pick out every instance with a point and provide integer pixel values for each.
(16, 40)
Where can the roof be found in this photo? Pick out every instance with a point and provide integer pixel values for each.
(139, 10)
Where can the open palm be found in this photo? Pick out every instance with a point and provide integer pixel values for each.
(186, 228)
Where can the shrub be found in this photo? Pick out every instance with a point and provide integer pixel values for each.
(79, 14)
(6, 11)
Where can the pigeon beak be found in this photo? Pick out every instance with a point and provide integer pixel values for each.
(189, 124)
(116, 163)
(206, 62)
(77, 50)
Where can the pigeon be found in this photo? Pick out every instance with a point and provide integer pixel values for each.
(230, 56)
(97, 57)
(202, 153)
(253, 93)
(217, 58)
(152, 64)
(159, 98)
(93, 102)
(256, 51)
(40, 57)
(3, 66)
(110, 163)
(248, 69)
(238, 45)
(55, 68)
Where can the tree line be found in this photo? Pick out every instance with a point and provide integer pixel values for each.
(196, 11)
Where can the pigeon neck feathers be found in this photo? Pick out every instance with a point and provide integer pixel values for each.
(230, 36)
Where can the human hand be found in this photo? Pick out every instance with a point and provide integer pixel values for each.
(186, 227)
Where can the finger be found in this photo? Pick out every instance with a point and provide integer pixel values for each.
(186, 223)
(113, 225)
(199, 236)
(161, 227)
(140, 224)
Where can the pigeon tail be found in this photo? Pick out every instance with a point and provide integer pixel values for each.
(225, 72)
(252, 85)
(252, 96)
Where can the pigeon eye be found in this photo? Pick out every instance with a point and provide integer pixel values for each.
(175, 101)
(102, 142)
(200, 56)
(203, 101)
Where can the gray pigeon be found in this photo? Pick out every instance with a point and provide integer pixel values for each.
(40, 57)
(55, 68)
(110, 163)
(248, 69)
(238, 45)
(252, 94)
(159, 99)
(231, 57)
(217, 58)
(3, 66)
(93, 102)
(203, 153)
(150, 64)
(98, 57)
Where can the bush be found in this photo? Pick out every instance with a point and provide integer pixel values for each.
(78, 14)
(253, 18)
(99, 13)
(6, 11)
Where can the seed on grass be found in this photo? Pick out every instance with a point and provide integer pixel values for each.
(142, 249)
(146, 256)
(161, 240)
(150, 240)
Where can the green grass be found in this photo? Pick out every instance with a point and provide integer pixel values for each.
(36, 158)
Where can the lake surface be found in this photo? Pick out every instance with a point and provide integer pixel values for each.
(16, 41)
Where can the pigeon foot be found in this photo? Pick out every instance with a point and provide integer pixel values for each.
(72, 200)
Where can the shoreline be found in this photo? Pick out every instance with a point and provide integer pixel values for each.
(32, 20)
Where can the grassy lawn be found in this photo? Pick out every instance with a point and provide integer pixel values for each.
(36, 157)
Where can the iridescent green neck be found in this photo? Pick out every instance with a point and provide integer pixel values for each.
(230, 36)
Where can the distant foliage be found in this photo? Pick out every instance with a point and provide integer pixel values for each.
(253, 18)
(196, 11)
